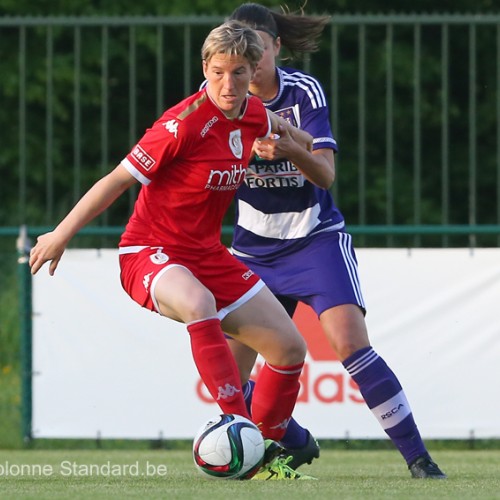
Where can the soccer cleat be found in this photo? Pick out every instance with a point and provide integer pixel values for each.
(279, 469)
(272, 451)
(304, 455)
(425, 468)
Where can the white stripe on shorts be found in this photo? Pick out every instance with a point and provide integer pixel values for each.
(132, 249)
(222, 313)
(152, 288)
(345, 244)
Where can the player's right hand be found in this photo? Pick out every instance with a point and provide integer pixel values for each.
(47, 248)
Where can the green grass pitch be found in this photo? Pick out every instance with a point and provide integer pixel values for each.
(169, 474)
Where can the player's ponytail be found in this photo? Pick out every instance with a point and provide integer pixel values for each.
(299, 33)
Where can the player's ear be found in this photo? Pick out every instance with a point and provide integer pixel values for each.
(205, 67)
(277, 46)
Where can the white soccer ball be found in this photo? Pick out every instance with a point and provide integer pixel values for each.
(228, 447)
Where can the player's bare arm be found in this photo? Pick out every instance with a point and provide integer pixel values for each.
(50, 246)
(318, 167)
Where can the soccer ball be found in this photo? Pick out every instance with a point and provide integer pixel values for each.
(228, 447)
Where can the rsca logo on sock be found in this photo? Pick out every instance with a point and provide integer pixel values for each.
(392, 412)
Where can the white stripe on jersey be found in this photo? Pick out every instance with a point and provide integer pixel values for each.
(351, 266)
(324, 139)
(309, 85)
(134, 172)
(283, 226)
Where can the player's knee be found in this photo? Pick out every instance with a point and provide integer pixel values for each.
(294, 350)
(199, 305)
(346, 347)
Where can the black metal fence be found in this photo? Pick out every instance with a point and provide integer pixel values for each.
(415, 106)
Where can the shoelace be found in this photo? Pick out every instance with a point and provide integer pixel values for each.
(283, 468)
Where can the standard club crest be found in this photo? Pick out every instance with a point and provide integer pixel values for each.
(235, 143)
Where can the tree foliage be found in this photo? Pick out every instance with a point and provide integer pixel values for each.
(91, 91)
(223, 7)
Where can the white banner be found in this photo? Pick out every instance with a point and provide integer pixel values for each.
(104, 367)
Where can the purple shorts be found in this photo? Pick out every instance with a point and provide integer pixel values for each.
(323, 273)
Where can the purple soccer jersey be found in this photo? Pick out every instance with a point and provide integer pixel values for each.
(277, 208)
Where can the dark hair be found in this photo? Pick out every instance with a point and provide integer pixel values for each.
(298, 33)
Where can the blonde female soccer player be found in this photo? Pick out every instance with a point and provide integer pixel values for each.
(190, 164)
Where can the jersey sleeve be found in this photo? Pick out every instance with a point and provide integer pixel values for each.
(267, 128)
(266, 121)
(157, 148)
(315, 117)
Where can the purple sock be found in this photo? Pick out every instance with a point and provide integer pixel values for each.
(386, 399)
(295, 436)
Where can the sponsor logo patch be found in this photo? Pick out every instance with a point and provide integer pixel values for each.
(226, 180)
(146, 161)
(208, 125)
(247, 275)
(282, 174)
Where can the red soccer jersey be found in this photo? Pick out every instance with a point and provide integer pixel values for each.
(190, 163)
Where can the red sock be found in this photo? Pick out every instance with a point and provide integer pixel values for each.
(216, 365)
(274, 396)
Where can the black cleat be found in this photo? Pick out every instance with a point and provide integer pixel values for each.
(425, 468)
(304, 455)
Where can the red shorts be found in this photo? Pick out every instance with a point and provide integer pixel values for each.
(229, 280)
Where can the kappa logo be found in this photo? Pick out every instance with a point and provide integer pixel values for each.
(282, 425)
(228, 391)
(235, 143)
(146, 280)
(172, 127)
